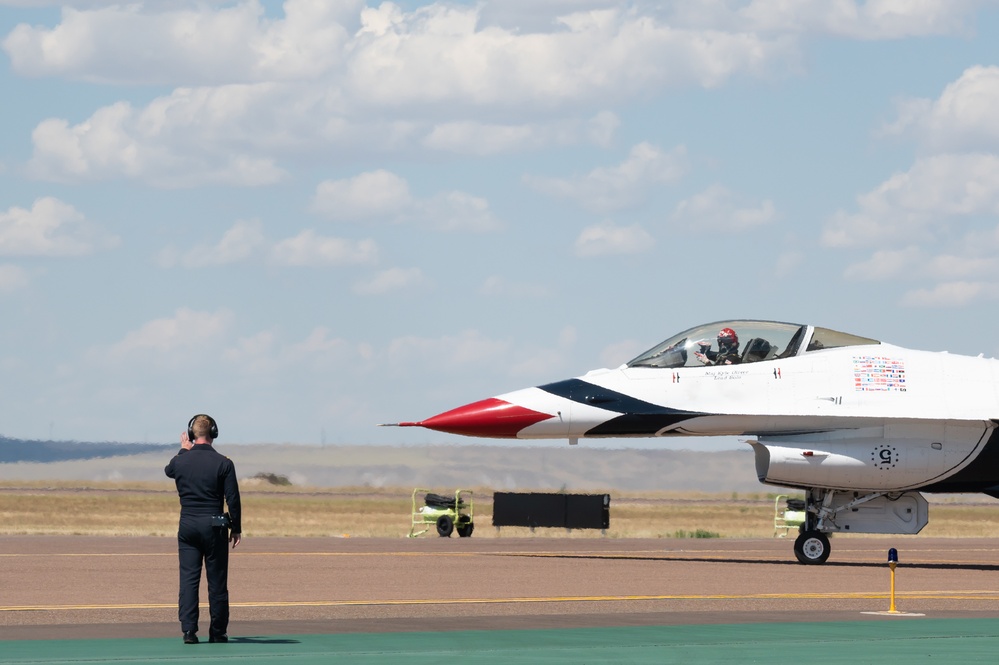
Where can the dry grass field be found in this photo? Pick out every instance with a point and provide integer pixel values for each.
(151, 508)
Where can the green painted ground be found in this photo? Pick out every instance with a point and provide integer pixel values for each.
(909, 641)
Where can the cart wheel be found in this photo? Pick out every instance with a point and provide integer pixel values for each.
(465, 530)
(445, 525)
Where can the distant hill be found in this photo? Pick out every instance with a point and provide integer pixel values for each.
(438, 467)
(22, 450)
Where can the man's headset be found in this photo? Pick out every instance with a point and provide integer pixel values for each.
(213, 433)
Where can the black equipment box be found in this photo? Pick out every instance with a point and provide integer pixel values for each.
(567, 511)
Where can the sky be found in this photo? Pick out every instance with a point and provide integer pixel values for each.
(308, 218)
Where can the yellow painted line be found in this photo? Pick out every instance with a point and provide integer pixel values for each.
(915, 595)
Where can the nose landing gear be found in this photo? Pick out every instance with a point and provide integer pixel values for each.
(811, 547)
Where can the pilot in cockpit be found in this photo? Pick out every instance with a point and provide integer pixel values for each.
(727, 353)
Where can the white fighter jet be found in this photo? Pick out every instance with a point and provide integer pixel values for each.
(861, 426)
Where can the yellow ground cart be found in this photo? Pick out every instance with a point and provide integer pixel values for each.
(790, 515)
(447, 513)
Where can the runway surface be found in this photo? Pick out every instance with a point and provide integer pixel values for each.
(87, 588)
(107, 587)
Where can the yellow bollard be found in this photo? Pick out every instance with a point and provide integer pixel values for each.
(892, 562)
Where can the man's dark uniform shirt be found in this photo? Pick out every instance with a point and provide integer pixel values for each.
(204, 478)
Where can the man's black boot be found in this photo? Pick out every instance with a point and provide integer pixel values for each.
(223, 638)
(190, 637)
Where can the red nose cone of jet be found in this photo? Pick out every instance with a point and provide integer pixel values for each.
(490, 417)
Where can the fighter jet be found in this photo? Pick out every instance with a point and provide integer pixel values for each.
(863, 427)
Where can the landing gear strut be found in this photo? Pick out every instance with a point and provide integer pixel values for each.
(829, 511)
(812, 545)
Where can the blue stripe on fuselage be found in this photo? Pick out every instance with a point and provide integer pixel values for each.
(979, 476)
(637, 418)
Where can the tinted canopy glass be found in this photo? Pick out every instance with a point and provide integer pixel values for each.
(725, 342)
(741, 341)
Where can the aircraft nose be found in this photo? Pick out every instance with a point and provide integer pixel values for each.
(491, 417)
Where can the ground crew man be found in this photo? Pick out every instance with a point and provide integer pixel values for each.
(204, 478)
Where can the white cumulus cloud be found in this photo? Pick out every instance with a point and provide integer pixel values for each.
(265, 354)
(718, 208)
(384, 196)
(937, 221)
(373, 194)
(450, 352)
(166, 42)
(250, 90)
(920, 203)
(473, 137)
(858, 19)
(50, 228)
(183, 140)
(887, 264)
(187, 330)
(951, 294)
(621, 186)
(393, 279)
(609, 238)
(238, 243)
(963, 118)
(245, 241)
(309, 248)
(456, 211)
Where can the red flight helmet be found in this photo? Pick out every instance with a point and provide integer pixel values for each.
(727, 339)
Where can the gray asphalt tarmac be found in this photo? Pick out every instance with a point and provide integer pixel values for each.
(78, 587)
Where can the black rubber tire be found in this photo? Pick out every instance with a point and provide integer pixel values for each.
(465, 530)
(811, 547)
(445, 526)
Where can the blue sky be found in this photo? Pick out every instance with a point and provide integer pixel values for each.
(312, 217)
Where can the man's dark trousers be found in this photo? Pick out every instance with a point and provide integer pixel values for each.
(199, 541)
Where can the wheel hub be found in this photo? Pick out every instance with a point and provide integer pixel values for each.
(813, 548)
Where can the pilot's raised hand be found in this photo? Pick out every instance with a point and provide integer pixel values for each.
(701, 355)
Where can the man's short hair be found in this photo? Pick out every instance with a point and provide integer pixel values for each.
(202, 427)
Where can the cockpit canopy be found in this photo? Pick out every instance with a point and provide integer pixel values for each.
(756, 341)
